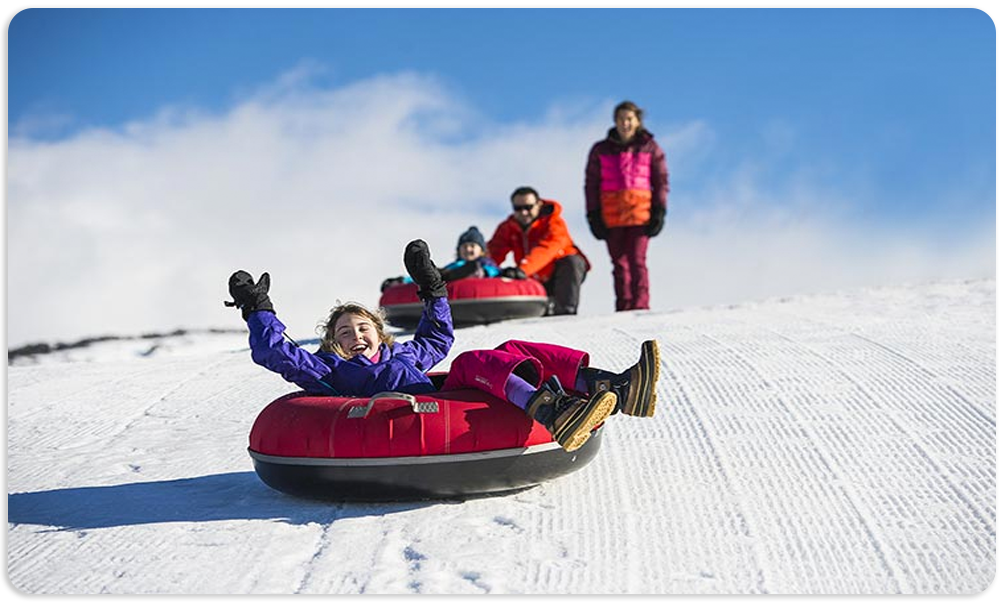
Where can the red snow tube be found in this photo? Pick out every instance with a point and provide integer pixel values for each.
(472, 301)
(399, 447)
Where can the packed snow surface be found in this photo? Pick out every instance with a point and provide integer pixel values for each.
(842, 443)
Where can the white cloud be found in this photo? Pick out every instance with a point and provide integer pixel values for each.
(137, 230)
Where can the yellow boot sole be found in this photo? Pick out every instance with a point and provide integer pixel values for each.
(576, 430)
(644, 375)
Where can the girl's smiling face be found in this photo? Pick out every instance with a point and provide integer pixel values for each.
(357, 335)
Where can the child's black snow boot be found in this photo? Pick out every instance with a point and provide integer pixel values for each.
(569, 419)
(635, 387)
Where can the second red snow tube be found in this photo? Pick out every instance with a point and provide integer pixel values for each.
(472, 301)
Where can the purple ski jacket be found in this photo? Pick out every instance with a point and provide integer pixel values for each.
(401, 367)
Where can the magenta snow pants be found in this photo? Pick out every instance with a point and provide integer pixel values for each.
(488, 369)
(628, 247)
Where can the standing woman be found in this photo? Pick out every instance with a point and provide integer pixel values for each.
(626, 199)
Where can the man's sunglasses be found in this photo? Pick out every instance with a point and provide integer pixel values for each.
(522, 208)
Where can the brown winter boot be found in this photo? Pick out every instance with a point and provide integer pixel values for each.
(635, 387)
(569, 419)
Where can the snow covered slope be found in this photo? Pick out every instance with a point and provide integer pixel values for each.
(834, 444)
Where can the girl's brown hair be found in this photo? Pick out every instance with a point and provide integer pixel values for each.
(326, 329)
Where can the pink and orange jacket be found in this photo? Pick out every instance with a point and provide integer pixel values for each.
(623, 181)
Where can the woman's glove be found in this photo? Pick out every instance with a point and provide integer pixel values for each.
(420, 267)
(249, 295)
(597, 226)
(656, 214)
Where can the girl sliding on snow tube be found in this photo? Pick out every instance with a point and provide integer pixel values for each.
(554, 385)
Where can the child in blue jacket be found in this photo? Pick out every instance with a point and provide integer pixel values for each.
(357, 358)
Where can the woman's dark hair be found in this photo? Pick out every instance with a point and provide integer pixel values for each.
(627, 105)
(522, 191)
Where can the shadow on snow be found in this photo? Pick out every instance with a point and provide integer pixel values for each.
(218, 497)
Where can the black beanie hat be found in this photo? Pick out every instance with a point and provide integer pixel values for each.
(472, 235)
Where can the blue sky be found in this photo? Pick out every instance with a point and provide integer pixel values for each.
(872, 129)
(900, 100)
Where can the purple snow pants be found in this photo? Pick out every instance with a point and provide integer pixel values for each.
(628, 247)
(488, 369)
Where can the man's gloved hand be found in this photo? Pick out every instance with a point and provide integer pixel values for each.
(388, 283)
(597, 226)
(656, 214)
(513, 273)
(420, 267)
(249, 295)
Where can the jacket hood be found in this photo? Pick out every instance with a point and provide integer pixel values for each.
(548, 208)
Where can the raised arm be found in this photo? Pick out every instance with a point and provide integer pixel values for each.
(269, 349)
(435, 333)
(434, 336)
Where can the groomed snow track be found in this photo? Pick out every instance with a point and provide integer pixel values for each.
(839, 443)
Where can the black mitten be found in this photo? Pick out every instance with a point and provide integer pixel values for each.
(513, 273)
(656, 214)
(597, 226)
(249, 295)
(420, 267)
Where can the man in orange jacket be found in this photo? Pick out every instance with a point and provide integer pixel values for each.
(542, 248)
